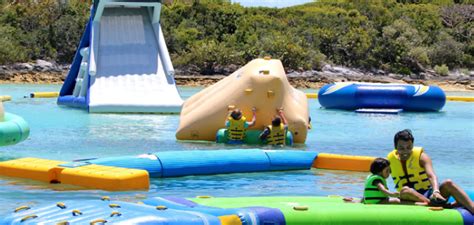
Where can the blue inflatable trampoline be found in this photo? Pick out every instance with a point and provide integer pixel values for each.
(407, 97)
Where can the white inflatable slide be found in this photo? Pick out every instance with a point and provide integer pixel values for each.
(128, 64)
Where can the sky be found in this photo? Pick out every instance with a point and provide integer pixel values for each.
(271, 3)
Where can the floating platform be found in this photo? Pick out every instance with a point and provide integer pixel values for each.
(353, 96)
(133, 172)
(79, 174)
(207, 162)
(205, 210)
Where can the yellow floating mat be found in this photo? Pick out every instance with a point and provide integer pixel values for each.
(4, 98)
(343, 162)
(44, 94)
(460, 98)
(86, 175)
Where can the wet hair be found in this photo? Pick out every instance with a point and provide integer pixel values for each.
(276, 121)
(404, 135)
(378, 165)
(236, 114)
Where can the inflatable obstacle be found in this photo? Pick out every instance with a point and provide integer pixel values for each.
(133, 172)
(97, 212)
(13, 128)
(407, 97)
(207, 162)
(291, 210)
(76, 173)
(334, 211)
(130, 74)
(261, 83)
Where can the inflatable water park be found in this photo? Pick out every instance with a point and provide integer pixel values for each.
(122, 65)
(110, 174)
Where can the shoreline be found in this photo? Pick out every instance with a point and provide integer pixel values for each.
(314, 80)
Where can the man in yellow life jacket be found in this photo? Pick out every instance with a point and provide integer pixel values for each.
(237, 125)
(275, 134)
(412, 171)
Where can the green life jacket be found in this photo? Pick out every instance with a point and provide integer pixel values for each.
(372, 195)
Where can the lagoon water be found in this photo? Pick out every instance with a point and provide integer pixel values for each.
(61, 133)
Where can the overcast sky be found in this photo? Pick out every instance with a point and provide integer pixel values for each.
(271, 3)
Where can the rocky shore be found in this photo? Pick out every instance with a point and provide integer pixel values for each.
(44, 72)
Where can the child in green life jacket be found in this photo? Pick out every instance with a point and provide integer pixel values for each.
(376, 190)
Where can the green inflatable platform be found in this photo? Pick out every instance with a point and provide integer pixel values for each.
(334, 211)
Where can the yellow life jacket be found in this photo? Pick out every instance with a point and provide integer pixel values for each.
(416, 177)
(277, 135)
(236, 129)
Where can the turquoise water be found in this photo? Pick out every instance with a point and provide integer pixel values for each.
(65, 134)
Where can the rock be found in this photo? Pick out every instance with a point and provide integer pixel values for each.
(423, 76)
(407, 79)
(464, 80)
(419, 76)
(23, 66)
(232, 68)
(326, 67)
(43, 63)
(395, 76)
(43, 66)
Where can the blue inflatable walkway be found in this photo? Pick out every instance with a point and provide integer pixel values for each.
(184, 163)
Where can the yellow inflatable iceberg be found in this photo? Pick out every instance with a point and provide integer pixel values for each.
(261, 83)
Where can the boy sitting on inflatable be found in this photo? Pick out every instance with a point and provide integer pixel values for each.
(275, 134)
(237, 124)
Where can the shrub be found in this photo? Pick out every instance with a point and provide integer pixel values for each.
(442, 70)
(10, 48)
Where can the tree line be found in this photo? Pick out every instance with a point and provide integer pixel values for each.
(207, 35)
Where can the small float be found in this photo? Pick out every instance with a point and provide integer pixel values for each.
(13, 128)
(251, 137)
(261, 83)
(371, 97)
